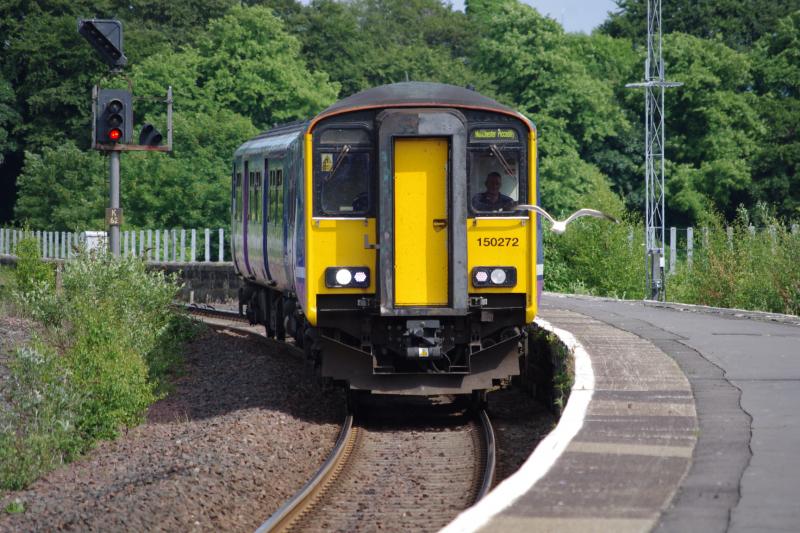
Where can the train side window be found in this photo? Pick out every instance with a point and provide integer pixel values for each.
(258, 196)
(237, 203)
(494, 185)
(243, 193)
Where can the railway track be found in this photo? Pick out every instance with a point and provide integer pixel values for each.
(395, 468)
(210, 311)
(396, 476)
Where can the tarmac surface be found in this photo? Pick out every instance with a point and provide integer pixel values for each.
(693, 424)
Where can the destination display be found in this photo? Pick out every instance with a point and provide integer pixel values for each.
(494, 134)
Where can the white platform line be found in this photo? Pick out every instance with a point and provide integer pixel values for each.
(546, 453)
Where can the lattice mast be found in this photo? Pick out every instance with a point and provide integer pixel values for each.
(654, 85)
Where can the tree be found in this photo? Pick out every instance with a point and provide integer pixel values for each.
(776, 67)
(543, 72)
(251, 65)
(738, 23)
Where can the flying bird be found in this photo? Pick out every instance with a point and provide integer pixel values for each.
(560, 226)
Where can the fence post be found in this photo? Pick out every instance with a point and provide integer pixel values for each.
(63, 245)
(193, 253)
(772, 237)
(157, 247)
(689, 246)
(141, 244)
(174, 245)
(2, 241)
(729, 231)
(751, 229)
(125, 243)
(673, 248)
(166, 246)
(208, 245)
(221, 245)
(795, 229)
(56, 244)
(183, 245)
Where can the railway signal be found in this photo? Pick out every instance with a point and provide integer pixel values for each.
(105, 36)
(150, 136)
(114, 118)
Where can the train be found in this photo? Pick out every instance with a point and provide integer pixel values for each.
(383, 236)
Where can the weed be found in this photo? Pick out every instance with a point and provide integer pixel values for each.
(15, 507)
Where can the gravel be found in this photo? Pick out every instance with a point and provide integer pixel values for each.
(242, 431)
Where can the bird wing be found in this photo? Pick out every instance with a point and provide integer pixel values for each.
(589, 213)
(537, 209)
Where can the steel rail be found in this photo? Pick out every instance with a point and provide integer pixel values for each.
(213, 312)
(282, 519)
(491, 461)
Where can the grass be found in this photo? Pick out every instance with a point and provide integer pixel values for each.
(109, 342)
(756, 270)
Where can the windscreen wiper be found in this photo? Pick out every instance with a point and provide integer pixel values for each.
(339, 158)
(503, 162)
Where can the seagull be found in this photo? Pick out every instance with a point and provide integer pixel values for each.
(560, 226)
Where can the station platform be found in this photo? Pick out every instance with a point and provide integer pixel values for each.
(692, 423)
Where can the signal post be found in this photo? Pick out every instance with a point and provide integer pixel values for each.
(112, 113)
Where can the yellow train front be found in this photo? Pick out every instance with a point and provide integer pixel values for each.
(383, 236)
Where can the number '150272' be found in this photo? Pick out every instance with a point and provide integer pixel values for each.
(498, 241)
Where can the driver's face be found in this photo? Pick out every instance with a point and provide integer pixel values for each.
(493, 184)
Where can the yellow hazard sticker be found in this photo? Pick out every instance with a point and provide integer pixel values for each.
(327, 162)
(423, 352)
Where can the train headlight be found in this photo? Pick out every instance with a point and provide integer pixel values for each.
(494, 276)
(498, 276)
(343, 277)
(347, 277)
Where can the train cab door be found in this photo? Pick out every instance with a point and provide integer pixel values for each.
(421, 220)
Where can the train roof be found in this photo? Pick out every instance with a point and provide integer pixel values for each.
(417, 94)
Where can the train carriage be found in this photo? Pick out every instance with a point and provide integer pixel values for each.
(383, 236)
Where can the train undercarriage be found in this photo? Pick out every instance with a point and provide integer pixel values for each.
(354, 344)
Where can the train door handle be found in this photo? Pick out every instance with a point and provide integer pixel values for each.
(368, 246)
(439, 224)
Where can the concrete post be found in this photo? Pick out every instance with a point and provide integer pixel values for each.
(729, 231)
(133, 244)
(673, 248)
(174, 245)
(193, 254)
(125, 243)
(208, 245)
(183, 245)
(221, 245)
(141, 244)
(166, 246)
(689, 246)
(2, 241)
(157, 247)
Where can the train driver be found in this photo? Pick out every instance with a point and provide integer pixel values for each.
(492, 199)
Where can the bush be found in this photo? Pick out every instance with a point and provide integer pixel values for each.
(31, 271)
(38, 420)
(753, 270)
(110, 340)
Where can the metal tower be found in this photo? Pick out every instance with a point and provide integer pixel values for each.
(654, 85)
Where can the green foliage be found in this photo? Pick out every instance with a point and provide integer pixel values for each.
(739, 23)
(251, 65)
(110, 339)
(543, 72)
(366, 43)
(753, 270)
(62, 188)
(31, 271)
(39, 424)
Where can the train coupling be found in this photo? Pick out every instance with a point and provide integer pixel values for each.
(423, 339)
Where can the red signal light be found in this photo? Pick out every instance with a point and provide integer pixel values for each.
(114, 134)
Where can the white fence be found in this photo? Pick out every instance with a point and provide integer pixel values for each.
(682, 241)
(161, 245)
